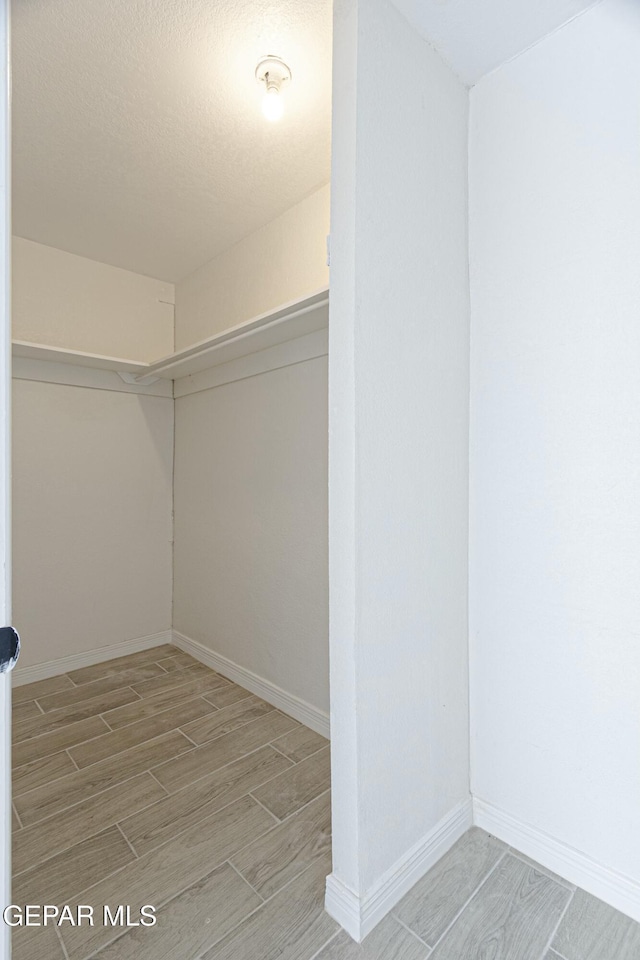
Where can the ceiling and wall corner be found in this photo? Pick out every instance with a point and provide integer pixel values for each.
(138, 135)
(285, 260)
(67, 301)
(475, 38)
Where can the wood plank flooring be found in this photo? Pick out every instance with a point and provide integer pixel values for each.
(105, 812)
(151, 779)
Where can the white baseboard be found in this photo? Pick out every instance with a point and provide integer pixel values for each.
(359, 915)
(616, 889)
(299, 709)
(53, 668)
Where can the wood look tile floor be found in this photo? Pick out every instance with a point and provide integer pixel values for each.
(151, 779)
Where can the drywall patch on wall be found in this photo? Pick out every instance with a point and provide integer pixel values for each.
(555, 450)
(284, 261)
(92, 474)
(250, 554)
(63, 300)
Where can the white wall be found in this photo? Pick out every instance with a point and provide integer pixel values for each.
(399, 387)
(92, 468)
(63, 300)
(285, 260)
(91, 518)
(555, 441)
(250, 567)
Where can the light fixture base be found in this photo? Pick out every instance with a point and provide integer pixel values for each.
(273, 72)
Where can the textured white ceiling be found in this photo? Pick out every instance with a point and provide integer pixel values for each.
(476, 36)
(138, 136)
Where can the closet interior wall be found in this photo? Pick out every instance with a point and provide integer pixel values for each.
(92, 468)
(99, 473)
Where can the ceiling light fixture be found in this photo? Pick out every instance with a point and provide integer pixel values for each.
(273, 72)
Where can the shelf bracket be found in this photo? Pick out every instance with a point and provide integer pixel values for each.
(137, 379)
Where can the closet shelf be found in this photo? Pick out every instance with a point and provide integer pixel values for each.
(37, 351)
(289, 322)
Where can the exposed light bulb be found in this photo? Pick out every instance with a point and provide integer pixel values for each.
(272, 105)
(273, 73)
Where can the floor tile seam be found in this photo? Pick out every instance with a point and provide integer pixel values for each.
(62, 726)
(412, 932)
(219, 736)
(166, 792)
(187, 736)
(119, 935)
(48, 783)
(554, 932)
(208, 872)
(243, 878)
(94, 832)
(160, 713)
(177, 686)
(245, 846)
(528, 862)
(162, 903)
(58, 852)
(298, 809)
(61, 942)
(107, 676)
(172, 793)
(247, 793)
(93, 695)
(123, 726)
(209, 772)
(241, 700)
(278, 750)
(262, 906)
(278, 821)
(77, 897)
(325, 945)
(84, 799)
(71, 746)
(176, 836)
(305, 805)
(290, 882)
(106, 760)
(468, 900)
(272, 743)
(235, 927)
(133, 745)
(91, 836)
(17, 816)
(126, 840)
(169, 793)
(262, 836)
